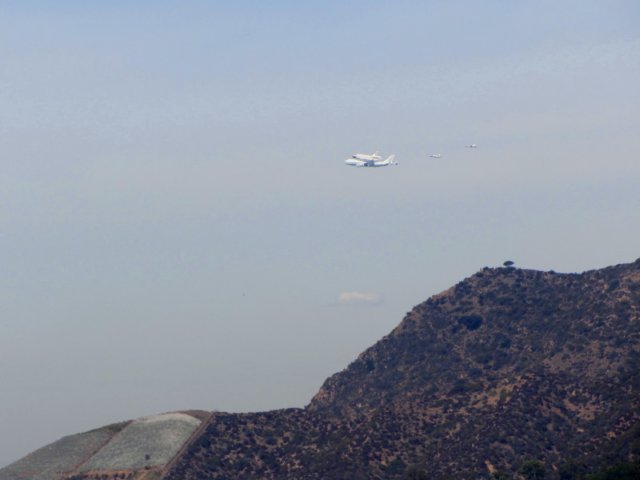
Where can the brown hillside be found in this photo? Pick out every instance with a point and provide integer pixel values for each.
(506, 367)
(506, 371)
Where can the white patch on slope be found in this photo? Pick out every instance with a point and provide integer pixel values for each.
(147, 442)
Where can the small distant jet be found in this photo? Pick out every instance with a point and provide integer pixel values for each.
(356, 162)
(473, 145)
(436, 155)
(367, 157)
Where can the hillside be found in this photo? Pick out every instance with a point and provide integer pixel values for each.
(139, 449)
(506, 369)
(507, 365)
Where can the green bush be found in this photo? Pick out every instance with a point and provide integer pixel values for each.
(533, 470)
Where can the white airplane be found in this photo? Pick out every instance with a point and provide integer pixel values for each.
(436, 155)
(367, 157)
(473, 145)
(354, 162)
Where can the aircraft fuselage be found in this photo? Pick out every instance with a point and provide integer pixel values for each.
(371, 163)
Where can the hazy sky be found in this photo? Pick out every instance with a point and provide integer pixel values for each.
(177, 226)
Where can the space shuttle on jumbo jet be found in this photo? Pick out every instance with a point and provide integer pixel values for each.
(373, 160)
(366, 156)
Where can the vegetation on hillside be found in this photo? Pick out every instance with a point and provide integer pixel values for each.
(509, 374)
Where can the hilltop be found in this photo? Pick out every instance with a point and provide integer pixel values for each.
(509, 368)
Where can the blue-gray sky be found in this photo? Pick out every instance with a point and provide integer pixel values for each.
(178, 229)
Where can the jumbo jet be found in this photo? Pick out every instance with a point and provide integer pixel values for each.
(436, 155)
(355, 162)
(473, 145)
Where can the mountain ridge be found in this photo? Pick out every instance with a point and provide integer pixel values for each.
(506, 367)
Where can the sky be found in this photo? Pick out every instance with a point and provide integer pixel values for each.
(178, 228)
